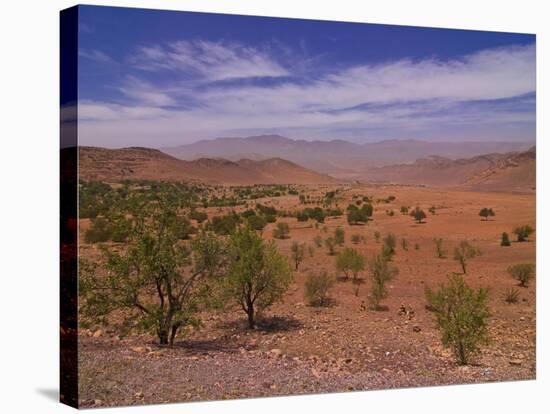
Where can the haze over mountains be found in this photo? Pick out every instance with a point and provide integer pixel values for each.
(338, 158)
(138, 163)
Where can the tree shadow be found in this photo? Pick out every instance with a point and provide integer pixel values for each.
(200, 346)
(278, 324)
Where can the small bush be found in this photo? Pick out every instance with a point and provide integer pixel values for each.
(99, 231)
(522, 272)
(464, 252)
(317, 288)
(416, 246)
(418, 214)
(355, 238)
(339, 236)
(281, 231)
(462, 315)
(381, 272)
(377, 236)
(486, 213)
(404, 210)
(388, 246)
(511, 296)
(523, 232)
(505, 240)
(405, 244)
(331, 246)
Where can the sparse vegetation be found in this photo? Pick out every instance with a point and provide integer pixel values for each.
(331, 246)
(388, 246)
(418, 214)
(523, 232)
(381, 272)
(377, 236)
(464, 252)
(462, 315)
(505, 240)
(404, 210)
(486, 213)
(522, 272)
(297, 253)
(404, 244)
(511, 296)
(317, 288)
(257, 275)
(350, 262)
(339, 236)
(355, 238)
(281, 231)
(318, 241)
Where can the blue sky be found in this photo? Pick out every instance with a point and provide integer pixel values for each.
(160, 78)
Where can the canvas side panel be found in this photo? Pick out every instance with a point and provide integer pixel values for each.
(69, 208)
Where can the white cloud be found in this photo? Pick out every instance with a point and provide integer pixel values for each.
(95, 55)
(210, 60)
(398, 97)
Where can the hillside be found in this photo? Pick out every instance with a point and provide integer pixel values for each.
(338, 158)
(514, 171)
(145, 163)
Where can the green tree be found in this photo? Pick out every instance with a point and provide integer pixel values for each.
(381, 272)
(158, 280)
(281, 231)
(317, 288)
(418, 214)
(461, 314)
(464, 252)
(258, 275)
(350, 262)
(297, 251)
(486, 213)
(356, 215)
(522, 272)
(523, 232)
(257, 222)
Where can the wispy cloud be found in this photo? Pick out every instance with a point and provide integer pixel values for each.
(396, 98)
(209, 60)
(94, 54)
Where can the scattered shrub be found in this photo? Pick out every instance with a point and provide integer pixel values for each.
(317, 288)
(505, 240)
(522, 272)
(331, 246)
(464, 252)
(418, 214)
(440, 253)
(297, 251)
(404, 244)
(461, 314)
(486, 213)
(318, 241)
(350, 262)
(523, 232)
(99, 232)
(381, 272)
(511, 296)
(404, 210)
(355, 238)
(339, 236)
(281, 231)
(388, 246)
(377, 236)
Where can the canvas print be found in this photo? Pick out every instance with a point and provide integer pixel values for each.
(255, 207)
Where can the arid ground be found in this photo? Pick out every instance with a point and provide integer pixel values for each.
(298, 348)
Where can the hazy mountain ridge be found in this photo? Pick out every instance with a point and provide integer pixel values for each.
(336, 157)
(144, 163)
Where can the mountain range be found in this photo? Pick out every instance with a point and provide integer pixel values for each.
(339, 158)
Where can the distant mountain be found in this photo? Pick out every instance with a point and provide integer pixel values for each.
(337, 157)
(513, 171)
(103, 164)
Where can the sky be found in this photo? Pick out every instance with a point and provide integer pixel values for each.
(165, 78)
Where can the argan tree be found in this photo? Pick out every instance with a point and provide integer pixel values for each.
(350, 262)
(486, 213)
(297, 253)
(281, 231)
(461, 314)
(523, 232)
(381, 272)
(464, 252)
(158, 280)
(522, 272)
(418, 214)
(257, 274)
(317, 288)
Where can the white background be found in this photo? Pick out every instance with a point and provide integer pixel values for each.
(29, 205)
